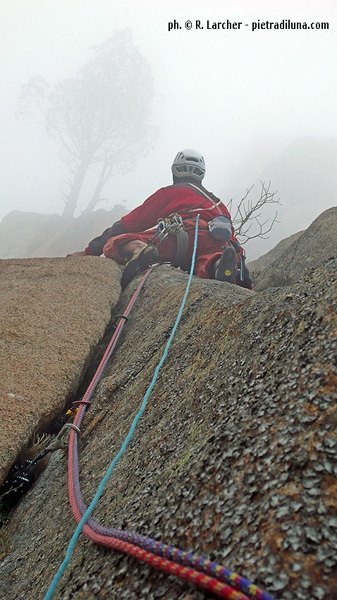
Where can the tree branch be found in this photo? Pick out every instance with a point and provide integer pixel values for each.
(247, 218)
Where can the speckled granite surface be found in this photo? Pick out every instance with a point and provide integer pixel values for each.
(234, 457)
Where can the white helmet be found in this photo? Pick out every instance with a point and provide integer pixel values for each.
(189, 163)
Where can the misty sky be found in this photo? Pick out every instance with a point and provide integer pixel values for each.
(218, 91)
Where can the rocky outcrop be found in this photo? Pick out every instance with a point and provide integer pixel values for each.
(234, 457)
(53, 314)
(307, 252)
(261, 263)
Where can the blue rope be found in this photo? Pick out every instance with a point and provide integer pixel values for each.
(127, 440)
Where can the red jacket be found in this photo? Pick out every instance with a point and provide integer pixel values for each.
(175, 198)
(182, 198)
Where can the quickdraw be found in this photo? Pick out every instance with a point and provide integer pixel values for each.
(242, 264)
(173, 225)
(170, 225)
(23, 472)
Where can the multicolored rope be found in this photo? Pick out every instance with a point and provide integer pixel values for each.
(172, 568)
(185, 558)
(104, 535)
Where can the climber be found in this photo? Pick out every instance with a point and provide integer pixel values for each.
(162, 230)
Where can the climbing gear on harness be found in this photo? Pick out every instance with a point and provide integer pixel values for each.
(138, 263)
(226, 268)
(173, 225)
(242, 266)
(170, 225)
(244, 279)
(189, 163)
(220, 228)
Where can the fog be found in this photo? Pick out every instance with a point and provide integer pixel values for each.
(220, 91)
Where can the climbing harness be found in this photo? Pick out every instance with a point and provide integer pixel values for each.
(173, 225)
(186, 566)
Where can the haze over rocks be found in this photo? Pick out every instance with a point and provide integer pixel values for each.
(30, 235)
(302, 173)
(235, 455)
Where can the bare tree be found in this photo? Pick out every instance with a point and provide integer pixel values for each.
(247, 217)
(101, 116)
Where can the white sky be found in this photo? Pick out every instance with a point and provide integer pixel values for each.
(218, 91)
